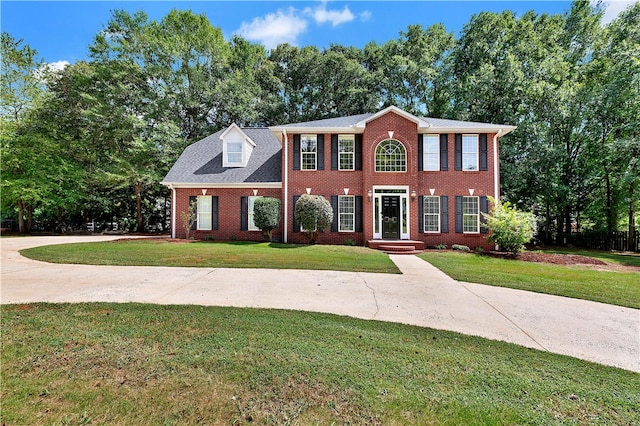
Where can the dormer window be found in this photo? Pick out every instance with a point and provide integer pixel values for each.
(236, 147)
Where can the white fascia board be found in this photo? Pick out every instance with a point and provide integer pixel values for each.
(500, 130)
(214, 185)
(315, 130)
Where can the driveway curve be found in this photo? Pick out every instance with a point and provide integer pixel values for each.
(422, 296)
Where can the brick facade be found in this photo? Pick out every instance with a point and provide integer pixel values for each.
(365, 183)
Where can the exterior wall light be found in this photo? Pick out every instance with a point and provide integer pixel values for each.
(413, 195)
(370, 195)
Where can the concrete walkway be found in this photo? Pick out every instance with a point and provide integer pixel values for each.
(422, 296)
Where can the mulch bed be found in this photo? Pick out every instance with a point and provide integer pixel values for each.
(555, 258)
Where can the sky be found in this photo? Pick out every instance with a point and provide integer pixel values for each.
(61, 31)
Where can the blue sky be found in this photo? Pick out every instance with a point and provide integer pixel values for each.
(62, 31)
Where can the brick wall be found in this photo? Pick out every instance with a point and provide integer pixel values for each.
(329, 182)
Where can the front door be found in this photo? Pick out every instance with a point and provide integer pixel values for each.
(391, 217)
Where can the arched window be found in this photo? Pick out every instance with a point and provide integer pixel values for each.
(391, 156)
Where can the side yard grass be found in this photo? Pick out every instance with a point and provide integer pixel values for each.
(616, 288)
(149, 364)
(217, 255)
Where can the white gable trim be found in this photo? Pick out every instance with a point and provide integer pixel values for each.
(422, 124)
(235, 126)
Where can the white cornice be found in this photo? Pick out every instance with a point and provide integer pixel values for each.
(214, 185)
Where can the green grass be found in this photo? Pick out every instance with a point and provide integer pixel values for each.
(217, 255)
(616, 288)
(148, 364)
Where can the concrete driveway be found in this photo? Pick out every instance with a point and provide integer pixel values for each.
(422, 296)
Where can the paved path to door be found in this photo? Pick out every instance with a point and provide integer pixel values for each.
(422, 296)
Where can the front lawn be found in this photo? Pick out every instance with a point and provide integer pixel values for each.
(216, 255)
(149, 364)
(616, 288)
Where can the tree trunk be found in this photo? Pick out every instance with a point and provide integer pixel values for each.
(21, 227)
(632, 218)
(29, 217)
(139, 221)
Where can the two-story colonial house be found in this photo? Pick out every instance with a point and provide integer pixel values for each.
(390, 176)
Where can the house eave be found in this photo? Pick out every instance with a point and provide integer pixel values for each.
(214, 185)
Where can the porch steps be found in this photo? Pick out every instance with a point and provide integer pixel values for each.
(397, 246)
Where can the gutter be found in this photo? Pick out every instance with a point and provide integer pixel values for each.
(173, 211)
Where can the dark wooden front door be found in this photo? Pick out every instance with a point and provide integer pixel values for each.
(391, 218)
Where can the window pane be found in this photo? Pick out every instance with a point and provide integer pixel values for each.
(470, 214)
(346, 149)
(431, 214)
(234, 152)
(308, 148)
(470, 152)
(431, 153)
(346, 213)
(204, 213)
(391, 157)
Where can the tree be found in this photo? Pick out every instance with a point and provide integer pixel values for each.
(314, 214)
(266, 215)
(188, 218)
(509, 228)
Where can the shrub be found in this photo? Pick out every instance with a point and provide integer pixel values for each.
(266, 215)
(510, 228)
(460, 247)
(314, 214)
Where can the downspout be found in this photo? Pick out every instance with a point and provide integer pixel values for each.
(496, 171)
(496, 166)
(173, 211)
(285, 142)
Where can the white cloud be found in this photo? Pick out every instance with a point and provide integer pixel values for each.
(336, 17)
(274, 28)
(57, 66)
(365, 16)
(613, 9)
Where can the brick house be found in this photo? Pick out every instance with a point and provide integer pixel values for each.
(390, 176)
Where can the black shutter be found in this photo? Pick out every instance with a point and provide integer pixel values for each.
(420, 214)
(358, 213)
(444, 152)
(214, 213)
(420, 151)
(483, 152)
(458, 159)
(459, 214)
(444, 214)
(358, 151)
(320, 152)
(296, 225)
(334, 206)
(484, 208)
(194, 200)
(244, 213)
(334, 152)
(296, 152)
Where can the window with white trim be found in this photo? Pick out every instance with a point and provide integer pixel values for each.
(471, 215)
(346, 213)
(251, 203)
(431, 153)
(234, 152)
(431, 213)
(346, 152)
(204, 213)
(391, 156)
(308, 152)
(469, 152)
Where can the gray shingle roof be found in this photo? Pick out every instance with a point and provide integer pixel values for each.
(201, 162)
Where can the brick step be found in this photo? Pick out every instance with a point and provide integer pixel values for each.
(411, 245)
(396, 248)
